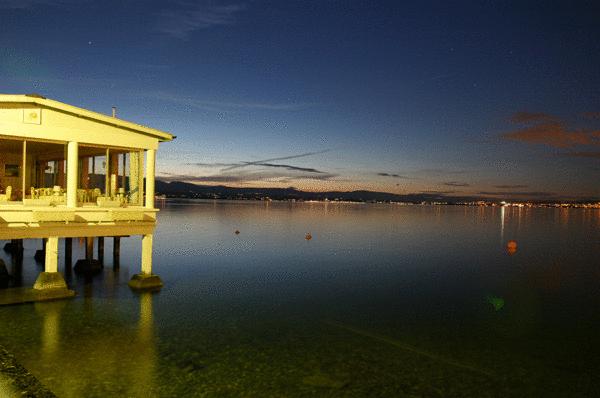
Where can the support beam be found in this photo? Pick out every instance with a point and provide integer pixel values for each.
(24, 171)
(150, 165)
(134, 178)
(72, 163)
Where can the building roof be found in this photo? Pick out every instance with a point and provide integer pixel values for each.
(80, 112)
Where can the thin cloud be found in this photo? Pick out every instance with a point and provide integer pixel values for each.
(29, 4)
(244, 177)
(518, 193)
(227, 106)
(549, 130)
(518, 186)
(595, 155)
(257, 162)
(382, 174)
(528, 117)
(456, 184)
(591, 115)
(185, 17)
(551, 134)
(290, 167)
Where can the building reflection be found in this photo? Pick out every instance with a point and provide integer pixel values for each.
(99, 354)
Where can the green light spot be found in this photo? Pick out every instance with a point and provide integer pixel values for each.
(496, 302)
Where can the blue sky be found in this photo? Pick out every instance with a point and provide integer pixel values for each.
(402, 97)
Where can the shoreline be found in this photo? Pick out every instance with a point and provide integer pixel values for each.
(15, 379)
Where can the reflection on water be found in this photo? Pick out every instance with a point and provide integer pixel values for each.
(384, 300)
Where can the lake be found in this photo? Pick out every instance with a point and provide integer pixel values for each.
(384, 301)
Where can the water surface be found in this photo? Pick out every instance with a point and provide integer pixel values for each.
(383, 301)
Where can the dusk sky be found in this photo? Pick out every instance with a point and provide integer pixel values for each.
(490, 98)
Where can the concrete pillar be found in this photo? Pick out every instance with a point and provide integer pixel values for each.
(146, 279)
(150, 165)
(101, 249)
(51, 263)
(147, 254)
(50, 284)
(72, 163)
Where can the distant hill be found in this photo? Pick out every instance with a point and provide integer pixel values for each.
(188, 190)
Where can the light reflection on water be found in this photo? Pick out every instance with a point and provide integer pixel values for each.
(385, 300)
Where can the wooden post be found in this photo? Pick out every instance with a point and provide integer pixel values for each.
(116, 251)
(147, 254)
(68, 252)
(101, 249)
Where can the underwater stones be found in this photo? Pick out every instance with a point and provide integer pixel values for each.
(145, 282)
(84, 266)
(324, 381)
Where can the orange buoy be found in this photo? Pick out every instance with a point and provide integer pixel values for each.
(237, 232)
(308, 236)
(511, 247)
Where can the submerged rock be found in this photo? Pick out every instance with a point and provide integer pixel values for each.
(324, 381)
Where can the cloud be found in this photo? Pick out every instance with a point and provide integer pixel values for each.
(456, 184)
(245, 177)
(528, 117)
(392, 175)
(552, 134)
(258, 162)
(518, 193)
(185, 17)
(290, 167)
(591, 115)
(510, 186)
(549, 130)
(595, 155)
(226, 106)
(28, 4)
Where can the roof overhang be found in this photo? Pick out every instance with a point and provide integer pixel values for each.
(80, 112)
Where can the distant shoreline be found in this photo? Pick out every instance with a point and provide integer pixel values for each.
(557, 205)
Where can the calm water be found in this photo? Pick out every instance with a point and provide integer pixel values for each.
(384, 301)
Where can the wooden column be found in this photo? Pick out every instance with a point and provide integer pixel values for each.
(51, 249)
(147, 254)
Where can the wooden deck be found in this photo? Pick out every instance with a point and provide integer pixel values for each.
(18, 221)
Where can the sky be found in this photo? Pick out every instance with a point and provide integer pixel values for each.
(492, 98)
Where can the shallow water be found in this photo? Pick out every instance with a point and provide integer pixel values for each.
(383, 301)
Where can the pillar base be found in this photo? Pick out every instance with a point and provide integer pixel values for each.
(88, 266)
(145, 282)
(50, 280)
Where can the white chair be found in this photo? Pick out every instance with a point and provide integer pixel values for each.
(7, 194)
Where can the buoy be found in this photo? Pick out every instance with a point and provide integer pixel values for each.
(237, 232)
(511, 247)
(308, 236)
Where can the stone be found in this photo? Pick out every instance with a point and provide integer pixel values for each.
(145, 282)
(50, 280)
(88, 266)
